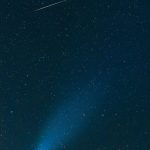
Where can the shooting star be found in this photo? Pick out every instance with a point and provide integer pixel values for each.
(53, 4)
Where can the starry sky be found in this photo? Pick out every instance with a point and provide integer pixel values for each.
(75, 76)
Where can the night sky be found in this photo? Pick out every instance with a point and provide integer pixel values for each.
(75, 76)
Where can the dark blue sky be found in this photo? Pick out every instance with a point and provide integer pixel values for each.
(75, 76)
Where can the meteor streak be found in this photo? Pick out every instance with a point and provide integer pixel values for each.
(53, 4)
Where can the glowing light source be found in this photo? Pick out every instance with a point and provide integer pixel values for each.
(68, 121)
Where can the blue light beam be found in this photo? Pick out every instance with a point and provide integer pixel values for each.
(69, 120)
